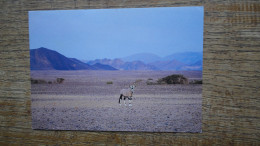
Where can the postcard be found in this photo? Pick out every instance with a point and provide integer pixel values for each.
(129, 69)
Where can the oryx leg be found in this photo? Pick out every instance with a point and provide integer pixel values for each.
(129, 101)
(120, 98)
(124, 100)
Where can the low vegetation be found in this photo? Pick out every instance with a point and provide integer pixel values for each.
(196, 82)
(109, 82)
(138, 81)
(174, 79)
(38, 81)
(41, 81)
(151, 82)
(60, 80)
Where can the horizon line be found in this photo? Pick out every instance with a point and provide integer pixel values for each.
(122, 57)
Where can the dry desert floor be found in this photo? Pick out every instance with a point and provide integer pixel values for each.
(84, 101)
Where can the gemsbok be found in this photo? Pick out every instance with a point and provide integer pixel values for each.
(127, 93)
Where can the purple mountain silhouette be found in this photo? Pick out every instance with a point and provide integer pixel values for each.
(144, 57)
(99, 66)
(121, 65)
(168, 65)
(46, 59)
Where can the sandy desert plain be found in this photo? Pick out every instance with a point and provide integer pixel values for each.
(85, 101)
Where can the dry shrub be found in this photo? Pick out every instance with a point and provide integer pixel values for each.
(60, 80)
(41, 81)
(173, 79)
(138, 80)
(149, 82)
(196, 82)
(109, 82)
(38, 81)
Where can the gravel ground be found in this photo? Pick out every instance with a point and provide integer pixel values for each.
(86, 102)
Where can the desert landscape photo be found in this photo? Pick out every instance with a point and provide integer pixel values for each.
(117, 69)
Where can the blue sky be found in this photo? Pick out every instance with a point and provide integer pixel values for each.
(116, 33)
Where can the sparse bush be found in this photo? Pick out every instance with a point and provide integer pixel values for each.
(41, 81)
(109, 82)
(60, 80)
(196, 82)
(151, 82)
(173, 79)
(139, 80)
(38, 81)
(33, 81)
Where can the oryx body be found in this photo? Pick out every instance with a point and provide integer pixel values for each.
(127, 93)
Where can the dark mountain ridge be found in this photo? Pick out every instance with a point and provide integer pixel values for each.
(46, 59)
(99, 66)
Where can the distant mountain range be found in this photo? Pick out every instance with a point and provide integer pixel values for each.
(144, 57)
(121, 65)
(46, 59)
(188, 58)
(168, 65)
(149, 61)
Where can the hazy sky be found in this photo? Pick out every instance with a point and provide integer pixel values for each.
(116, 33)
